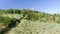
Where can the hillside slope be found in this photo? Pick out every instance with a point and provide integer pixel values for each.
(35, 27)
(10, 18)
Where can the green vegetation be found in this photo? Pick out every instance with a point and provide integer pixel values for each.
(10, 18)
(35, 27)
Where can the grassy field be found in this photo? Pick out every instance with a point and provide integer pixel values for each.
(35, 27)
(14, 21)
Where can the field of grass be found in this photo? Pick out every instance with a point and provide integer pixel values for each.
(14, 21)
(35, 27)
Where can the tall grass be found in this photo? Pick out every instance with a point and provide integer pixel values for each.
(35, 27)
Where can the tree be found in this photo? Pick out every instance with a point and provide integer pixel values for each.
(10, 11)
(16, 11)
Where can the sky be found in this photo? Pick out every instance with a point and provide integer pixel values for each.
(48, 6)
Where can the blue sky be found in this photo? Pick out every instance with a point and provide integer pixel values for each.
(4, 4)
(49, 6)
